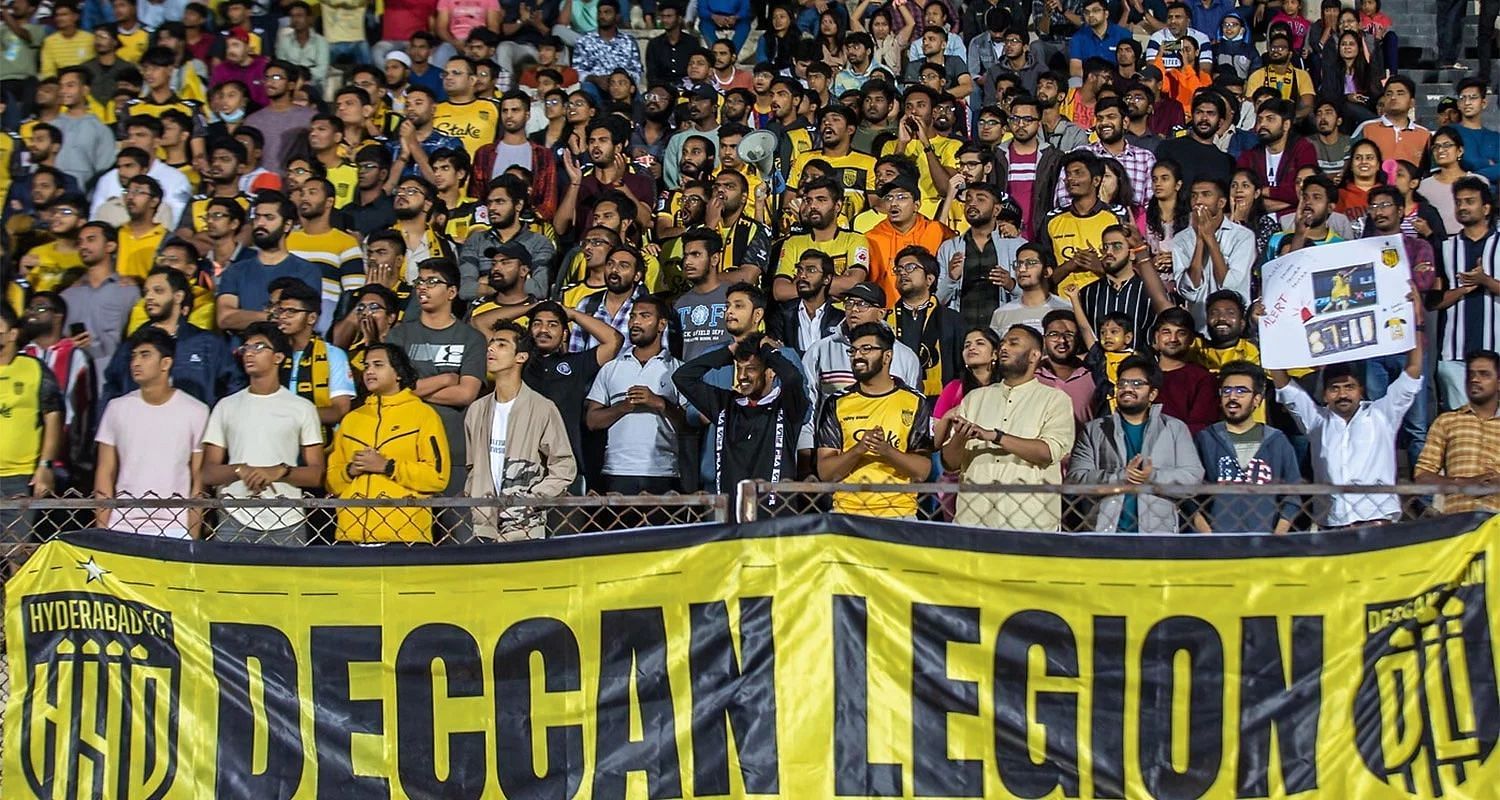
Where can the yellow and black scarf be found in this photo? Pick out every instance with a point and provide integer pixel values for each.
(312, 373)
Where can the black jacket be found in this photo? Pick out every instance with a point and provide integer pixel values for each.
(750, 441)
(783, 325)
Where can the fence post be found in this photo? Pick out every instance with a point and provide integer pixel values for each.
(746, 501)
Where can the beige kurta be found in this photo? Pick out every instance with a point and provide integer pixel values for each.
(1028, 411)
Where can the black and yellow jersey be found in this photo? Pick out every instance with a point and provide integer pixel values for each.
(463, 220)
(904, 415)
(474, 123)
(945, 149)
(1065, 232)
(856, 171)
(143, 106)
(196, 217)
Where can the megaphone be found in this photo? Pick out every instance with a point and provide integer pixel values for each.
(758, 149)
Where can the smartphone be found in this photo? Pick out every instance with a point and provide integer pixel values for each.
(77, 329)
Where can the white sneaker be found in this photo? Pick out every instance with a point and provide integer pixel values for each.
(637, 18)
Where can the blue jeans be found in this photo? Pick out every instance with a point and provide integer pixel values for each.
(1379, 373)
(711, 31)
(350, 52)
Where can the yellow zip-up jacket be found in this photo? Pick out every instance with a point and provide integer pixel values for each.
(403, 428)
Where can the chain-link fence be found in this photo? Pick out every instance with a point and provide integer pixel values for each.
(25, 523)
(1121, 508)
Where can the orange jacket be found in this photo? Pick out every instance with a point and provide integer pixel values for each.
(886, 242)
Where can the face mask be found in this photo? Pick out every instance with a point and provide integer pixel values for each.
(232, 116)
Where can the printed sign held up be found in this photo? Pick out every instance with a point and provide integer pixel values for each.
(1337, 302)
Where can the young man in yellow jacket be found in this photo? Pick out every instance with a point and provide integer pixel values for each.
(392, 445)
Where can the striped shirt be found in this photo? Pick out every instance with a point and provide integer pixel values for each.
(1130, 298)
(1461, 444)
(1470, 323)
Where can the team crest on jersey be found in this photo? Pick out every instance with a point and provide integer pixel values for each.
(100, 702)
(1426, 713)
(850, 178)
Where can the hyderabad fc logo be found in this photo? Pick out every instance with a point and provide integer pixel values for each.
(101, 680)
(1426, 713)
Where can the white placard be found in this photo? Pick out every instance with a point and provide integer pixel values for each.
(1336, 302)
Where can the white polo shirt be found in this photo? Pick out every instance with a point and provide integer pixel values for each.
(641, 444)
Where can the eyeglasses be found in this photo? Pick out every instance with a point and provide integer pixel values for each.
(1381, 206)
(906, 269)
(1470, 98)
(1024, 119)
(287, 311)
(855, 304)
(865, 350)
(1235, 391)
(368, 166)
(898, 197)
(595, 241)
(810, 269)
(216, 215)
(1061, 335)
(989, 122)
(430, 281)
(1028, 262)
(277, 78)
(411, 191)
(256, 347)
(1132, 383)
(1443, 146)
(299, 171)
(41, 310)
(552, 102)
(66, 211)
(371, 308)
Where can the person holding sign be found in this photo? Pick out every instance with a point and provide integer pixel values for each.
(1352, 438)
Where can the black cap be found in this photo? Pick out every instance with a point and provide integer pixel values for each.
(1447, 104)
(704, 92)
(1151, 71)
(510, 250)
(869, 292)
(901, 182)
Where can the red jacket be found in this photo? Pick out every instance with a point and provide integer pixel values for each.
(1299, 153)
(543, 177)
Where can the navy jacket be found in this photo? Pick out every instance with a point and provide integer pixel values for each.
(203, 367)
(1274, 463)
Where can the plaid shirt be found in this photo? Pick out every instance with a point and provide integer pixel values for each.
(1138, 163)
(594, 306)
(1462, 445)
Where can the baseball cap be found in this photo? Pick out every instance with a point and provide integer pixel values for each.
(400, 58)
(238, 33)
(704, 92)
(266, 181)
(901, 182)
(869, 292)
(1151, 71)
(1447, 104)
(510, 250)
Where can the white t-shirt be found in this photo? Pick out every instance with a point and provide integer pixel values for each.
(155, 447)
(641, 443)
(1273, 165)
(498, 430)
(263, 430)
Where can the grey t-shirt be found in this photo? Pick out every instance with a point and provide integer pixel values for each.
(702, 318)
(510, 155)
(280, 128)
(1247, 444)
(457, 348)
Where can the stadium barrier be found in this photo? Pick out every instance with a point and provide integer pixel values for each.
(800, 657)
(26, 523)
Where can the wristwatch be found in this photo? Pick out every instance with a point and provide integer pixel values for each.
(998, 434)
(390, 468)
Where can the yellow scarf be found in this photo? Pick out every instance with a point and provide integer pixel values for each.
(312, 373)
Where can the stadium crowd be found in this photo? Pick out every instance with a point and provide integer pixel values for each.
(488, 248)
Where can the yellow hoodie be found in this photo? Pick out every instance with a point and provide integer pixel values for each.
(403, 428)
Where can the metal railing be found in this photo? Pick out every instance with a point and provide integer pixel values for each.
(25, 523)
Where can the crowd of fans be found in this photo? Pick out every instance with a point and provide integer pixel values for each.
(507, 248)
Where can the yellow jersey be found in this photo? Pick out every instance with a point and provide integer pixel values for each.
(31, 392)
(846, 248)
(946, 151)
(53, 267)
(201, 315)
(904, 415)
(198, 210)
(474, 123)
(578, 268)
(1067, 233)
(137, 254)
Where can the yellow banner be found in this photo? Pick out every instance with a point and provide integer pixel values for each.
(815, 657)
